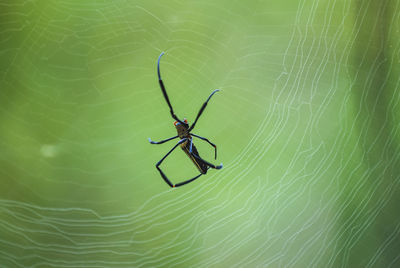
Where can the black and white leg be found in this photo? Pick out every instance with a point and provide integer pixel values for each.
(164, 91)
(201, 159)
(202, 109)
(186, 182)
(162, 159)
(208, 163)
(161, 142)
(205, 139)
(165, 177)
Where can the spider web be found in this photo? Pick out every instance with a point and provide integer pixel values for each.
(306, 124)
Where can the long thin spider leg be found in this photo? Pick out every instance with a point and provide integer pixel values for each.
(162, 159)
(186, 182)
(165, 177)
(205, 139)
(164, 91)
(207, 163)
(161, 142)
(202, 109)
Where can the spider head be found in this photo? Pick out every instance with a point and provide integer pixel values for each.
(181, 128)
(178, 124)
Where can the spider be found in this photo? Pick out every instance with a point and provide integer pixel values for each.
(186, 138)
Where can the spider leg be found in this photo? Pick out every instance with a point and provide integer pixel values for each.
(192, 179)
(206, 162)
(186, 182)
(205, 139)
(162, 159)
(160, 142)
(201, 159)
(202, 109)
(164, 91)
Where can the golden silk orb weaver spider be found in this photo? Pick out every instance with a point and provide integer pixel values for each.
(186, 138)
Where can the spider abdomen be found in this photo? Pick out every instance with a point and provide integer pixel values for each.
(201, 166)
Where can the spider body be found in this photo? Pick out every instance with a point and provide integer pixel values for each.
(183, 133)
(186, 138)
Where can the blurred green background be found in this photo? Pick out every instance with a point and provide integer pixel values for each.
(306, 123)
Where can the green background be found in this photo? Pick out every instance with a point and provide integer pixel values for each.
(306, 123)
